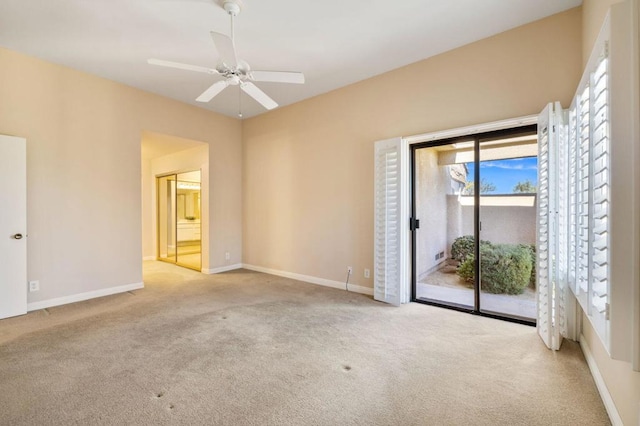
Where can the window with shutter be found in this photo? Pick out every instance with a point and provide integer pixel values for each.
(601, 184)
(588, 181)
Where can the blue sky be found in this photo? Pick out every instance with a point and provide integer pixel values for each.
(505, 174)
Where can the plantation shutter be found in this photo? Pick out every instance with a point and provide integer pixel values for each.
(594, 202)
(599, 202)
(560, 294)
(388, 221)
(572, 220)
(543, 230)
(551, 236)
(582, 197)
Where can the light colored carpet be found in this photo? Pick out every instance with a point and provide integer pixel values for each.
(245, 348)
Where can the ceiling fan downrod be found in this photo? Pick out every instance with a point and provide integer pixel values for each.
(233, 9)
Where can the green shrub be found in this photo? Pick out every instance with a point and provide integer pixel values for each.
(532, 251)
(466, 269)
(506, 268)
(463, 247)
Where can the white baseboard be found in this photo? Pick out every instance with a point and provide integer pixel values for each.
(149, 258)
(313, 280)
(34, 306)
(609, 405)
(222, 269)
(83, 296)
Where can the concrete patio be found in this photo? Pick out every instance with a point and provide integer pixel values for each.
(446, 286)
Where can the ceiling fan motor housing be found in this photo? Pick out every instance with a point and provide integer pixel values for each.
(232, 8)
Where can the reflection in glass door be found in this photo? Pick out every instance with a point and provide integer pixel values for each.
(179, 219)
(474, 197)
(167, 218)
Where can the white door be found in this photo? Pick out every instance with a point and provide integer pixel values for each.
(13, 226)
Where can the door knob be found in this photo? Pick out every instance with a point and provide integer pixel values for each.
(17, 236)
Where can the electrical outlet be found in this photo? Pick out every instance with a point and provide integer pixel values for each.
(34, 286)
(349, 269)
(227, 256)
(367, 273)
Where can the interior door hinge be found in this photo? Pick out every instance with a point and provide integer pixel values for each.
(414, 224)
(607, 311)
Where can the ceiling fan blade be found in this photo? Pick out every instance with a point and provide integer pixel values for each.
(278, 76)
(180, 66)
(257, 94)
(226, 49)
(212, 91)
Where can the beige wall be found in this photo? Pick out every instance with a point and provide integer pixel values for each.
(622, 382)
(308, 168)
(593, 13)
(84, 167)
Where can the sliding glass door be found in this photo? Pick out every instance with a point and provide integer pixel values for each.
(474, 223)
(179, 219)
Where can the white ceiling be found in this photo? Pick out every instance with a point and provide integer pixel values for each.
(334, 42)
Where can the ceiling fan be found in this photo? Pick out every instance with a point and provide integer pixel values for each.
(236, 72)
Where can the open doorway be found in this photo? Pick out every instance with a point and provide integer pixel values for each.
(175, 206)
(475, 198)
